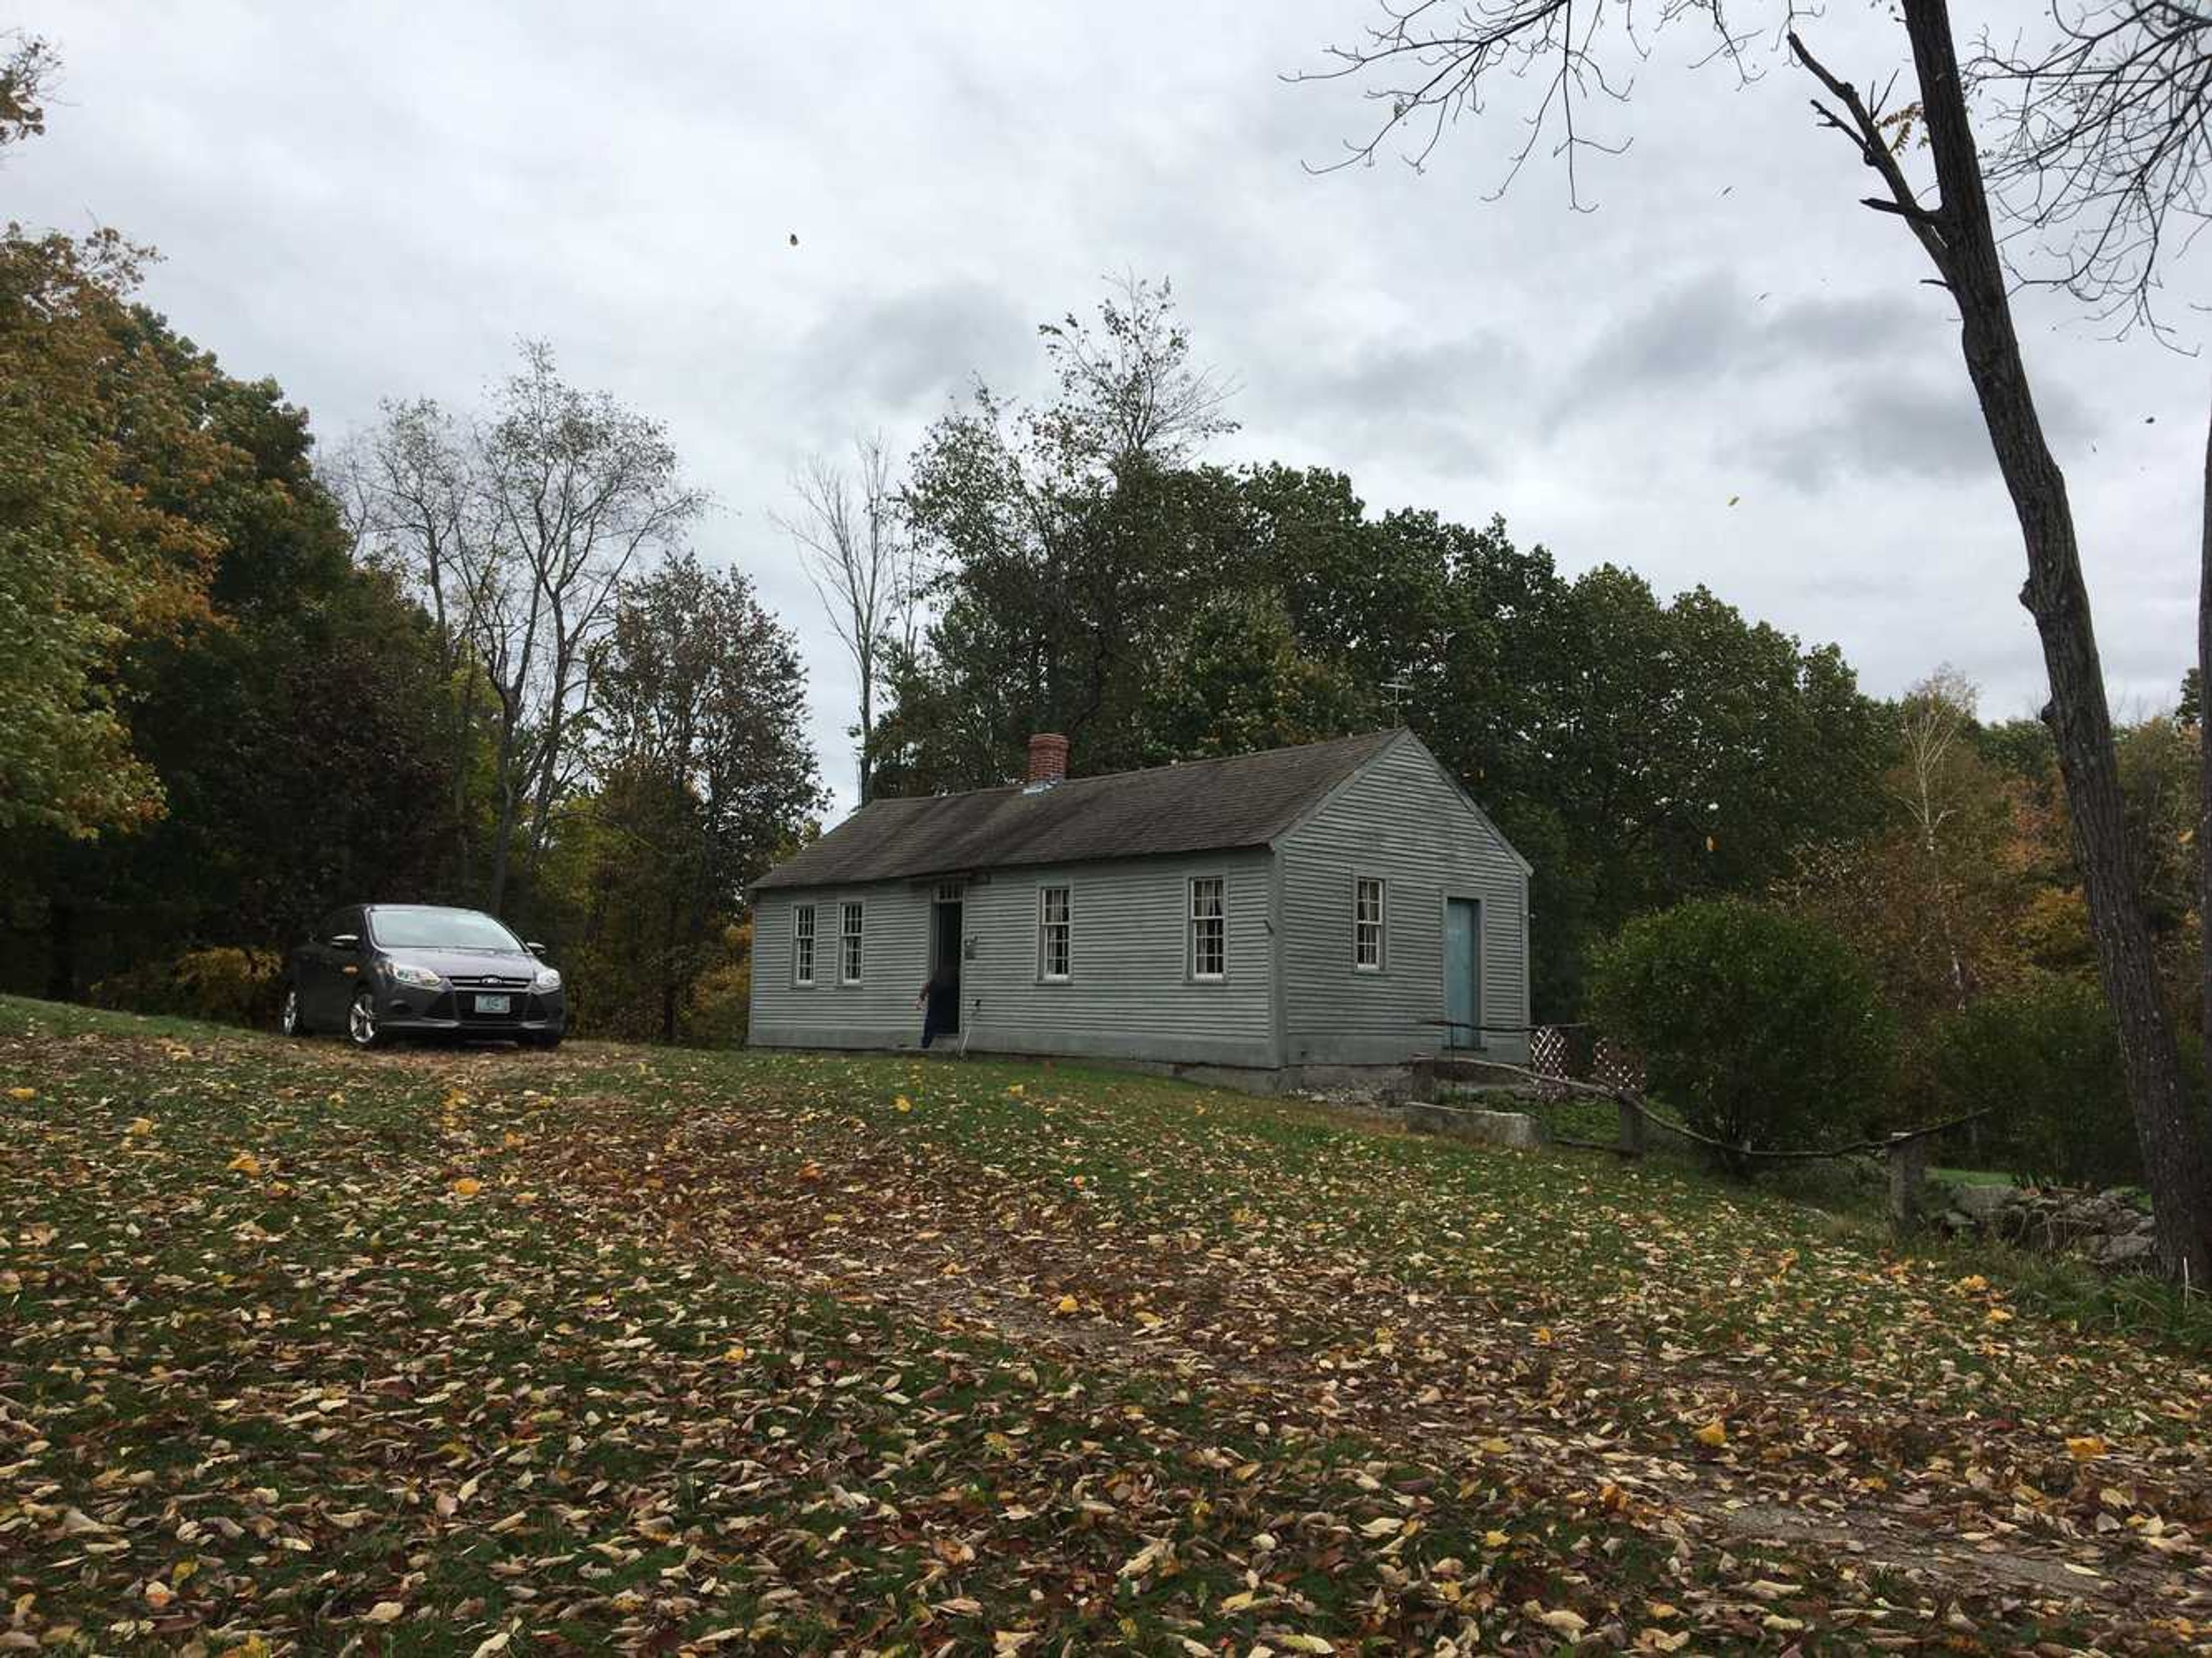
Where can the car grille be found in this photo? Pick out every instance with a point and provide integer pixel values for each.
(461, 1004)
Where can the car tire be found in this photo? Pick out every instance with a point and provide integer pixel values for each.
(363, 1029)
(288, 1019)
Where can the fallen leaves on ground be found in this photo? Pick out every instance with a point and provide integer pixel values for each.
(731, 1351)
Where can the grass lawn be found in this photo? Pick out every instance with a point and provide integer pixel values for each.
(484, 1352)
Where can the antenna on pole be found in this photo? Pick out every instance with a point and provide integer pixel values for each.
(1400, 689)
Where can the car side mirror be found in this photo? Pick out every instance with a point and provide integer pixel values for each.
(534, 947)
(345, 941)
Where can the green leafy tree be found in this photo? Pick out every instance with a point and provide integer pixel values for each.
(1762, 1027)
(2043, 1057)
(89, 560)
(284, 728)
(1073, 542)
(703, 776)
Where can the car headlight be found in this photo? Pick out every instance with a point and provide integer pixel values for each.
(547, 980)
(421, 977)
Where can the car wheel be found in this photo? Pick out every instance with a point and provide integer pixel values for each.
(287, 1018)
(362, 1028)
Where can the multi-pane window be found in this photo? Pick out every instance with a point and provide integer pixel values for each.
(1053, 918)
(802, 944)
(848, 944)
(1209, 929)
(1367, 925)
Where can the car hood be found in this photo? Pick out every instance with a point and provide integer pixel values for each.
(469, 965)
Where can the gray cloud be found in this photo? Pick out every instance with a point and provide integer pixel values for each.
(367, 203)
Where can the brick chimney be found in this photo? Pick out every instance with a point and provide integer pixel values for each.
(1048, 758)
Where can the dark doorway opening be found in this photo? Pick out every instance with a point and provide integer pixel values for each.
(945, 951)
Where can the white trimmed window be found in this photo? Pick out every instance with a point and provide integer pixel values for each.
(1209, 928)
(1367, 923)
(1053, 915)
(848, 944)
(802, 945)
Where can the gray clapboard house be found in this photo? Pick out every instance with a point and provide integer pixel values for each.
(1263, 918)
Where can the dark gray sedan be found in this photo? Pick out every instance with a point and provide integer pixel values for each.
(377, 971)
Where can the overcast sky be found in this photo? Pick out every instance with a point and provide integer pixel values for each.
(369, 201)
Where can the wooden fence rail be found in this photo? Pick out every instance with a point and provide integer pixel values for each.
(1905, 1152)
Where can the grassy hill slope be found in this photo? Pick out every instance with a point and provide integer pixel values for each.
(483, 1351)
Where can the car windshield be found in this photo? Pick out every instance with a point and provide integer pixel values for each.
(439, 929)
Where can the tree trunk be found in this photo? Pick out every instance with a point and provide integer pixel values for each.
(2169, 1126)
(2205, 755)
(867, 726)
(61, 951)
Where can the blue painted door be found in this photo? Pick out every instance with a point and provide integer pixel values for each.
(1463, 971)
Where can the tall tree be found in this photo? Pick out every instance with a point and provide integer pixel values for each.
(704, 774)
(852, 541)
(89, 560)
(517, 526)
(1428, 62)
(1070, 538)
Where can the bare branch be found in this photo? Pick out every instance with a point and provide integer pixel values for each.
(1428, 62)
(2102, 160)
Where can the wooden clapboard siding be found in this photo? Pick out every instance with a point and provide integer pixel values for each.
(1400, 818)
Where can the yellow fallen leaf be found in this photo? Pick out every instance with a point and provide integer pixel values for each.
(467, 1187)
(903, 1103)
(23, 1093)
(158, 1594)
(384, 1611)
(140, 1127)
(1712, 1434)
(1495, 1540)
(2087, 1449)
(245, 1164)
(1566, 1621)
(1544, 1336)
(183, 1569)
(1973, 1285)
(737, 1356)
(1016, 1090)
(1068, 1306)
(1997, 1315)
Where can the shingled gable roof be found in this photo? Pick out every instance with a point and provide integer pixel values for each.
(1199, 805)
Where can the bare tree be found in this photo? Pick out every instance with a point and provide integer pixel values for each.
(1934, 716)
(1430, 62)
(853, 543)
(517, 527)
(2103, 155)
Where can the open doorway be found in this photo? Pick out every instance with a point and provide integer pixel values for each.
(944, 947)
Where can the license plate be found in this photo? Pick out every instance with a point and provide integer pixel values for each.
(494, 1005)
